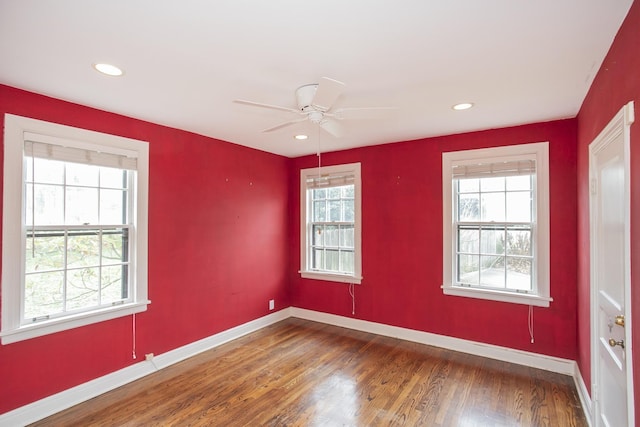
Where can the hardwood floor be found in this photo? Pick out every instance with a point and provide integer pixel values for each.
(302, 373)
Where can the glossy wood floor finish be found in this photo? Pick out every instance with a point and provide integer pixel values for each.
(301, 373)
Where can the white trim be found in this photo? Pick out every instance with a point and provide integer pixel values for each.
(541, 276)
(619, 124)
(13, 227)
(492, 294)
(346, 169)
(68, 322)
(50, 405)
(520, 357)
(342, 278)
(583, 394)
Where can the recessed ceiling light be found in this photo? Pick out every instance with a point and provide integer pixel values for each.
(108, 69)
(301, 137)
(462, 106)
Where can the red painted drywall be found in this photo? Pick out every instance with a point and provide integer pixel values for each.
(217, 252)
(402, 244)
(617, 82)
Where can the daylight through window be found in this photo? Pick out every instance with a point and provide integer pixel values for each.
(496, 223)
(74, 244)
(330, 209)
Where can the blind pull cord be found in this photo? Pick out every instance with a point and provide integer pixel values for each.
(33, 206)
(133, 324)
(530, 321)
(352, 292)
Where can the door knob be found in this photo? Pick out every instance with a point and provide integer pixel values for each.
(619, 320)
(613, 343)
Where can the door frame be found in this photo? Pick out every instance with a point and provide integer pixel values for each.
(619, 125)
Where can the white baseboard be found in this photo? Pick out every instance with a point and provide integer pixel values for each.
(60, 401)
(50, 405)
(520, 357)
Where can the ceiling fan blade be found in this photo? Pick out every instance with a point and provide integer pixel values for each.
(285, 124)
(332, 127)
(326, 94)
(364, 113)
(261, 105)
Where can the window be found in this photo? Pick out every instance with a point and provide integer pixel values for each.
(496, 223)
(330, 223)
(74, 248)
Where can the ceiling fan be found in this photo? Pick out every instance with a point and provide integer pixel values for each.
(315, 102)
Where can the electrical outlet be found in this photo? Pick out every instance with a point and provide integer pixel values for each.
(148, 357)
(272, 304)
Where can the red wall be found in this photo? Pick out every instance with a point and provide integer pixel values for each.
(214, 207)
(617, 83)
(217, 252)
(402, 244)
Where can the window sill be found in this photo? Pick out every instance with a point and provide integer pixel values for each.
(331, 277)
(494, 295)
(26, 332)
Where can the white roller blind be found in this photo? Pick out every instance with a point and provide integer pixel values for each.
(486, 170)
(47, 147)
(332, 180)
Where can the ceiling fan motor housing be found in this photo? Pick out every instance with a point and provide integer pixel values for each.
(305, 95)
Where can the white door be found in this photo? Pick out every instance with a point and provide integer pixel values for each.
(612, 387)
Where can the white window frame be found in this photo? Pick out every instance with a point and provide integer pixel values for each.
(14, 227)
(540, 295)
(305, 227)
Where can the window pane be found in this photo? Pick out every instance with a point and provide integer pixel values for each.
(347, 236)
(334, 193)
(332, 236)
(82, 288)
(49, 205)
(492, 241)
(468, 207)
(112, 203)
(114, 246)
(492, 206)
(43, 294)
(468, 271)
(334, 210)
(79, 174)
(469, 240)
(348, 210)
(519, 182)
(112, 283)
(519, 273)
(347, 262)
(492, 184)
(332, 261)
(469, 185)
(82, 206)
(83, 248)
(319, 211)
(319, 194)
(318, 259)
(112, 178)
(45, 252)
(519, 242)
(348, 191)
(44, 171)
(318, 235)
(492, 271)
(519, 206)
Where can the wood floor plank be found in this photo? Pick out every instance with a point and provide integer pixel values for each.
(302, 373)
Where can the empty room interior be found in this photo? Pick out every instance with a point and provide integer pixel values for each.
(343, 213)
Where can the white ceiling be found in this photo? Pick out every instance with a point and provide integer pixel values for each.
(519, 61)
